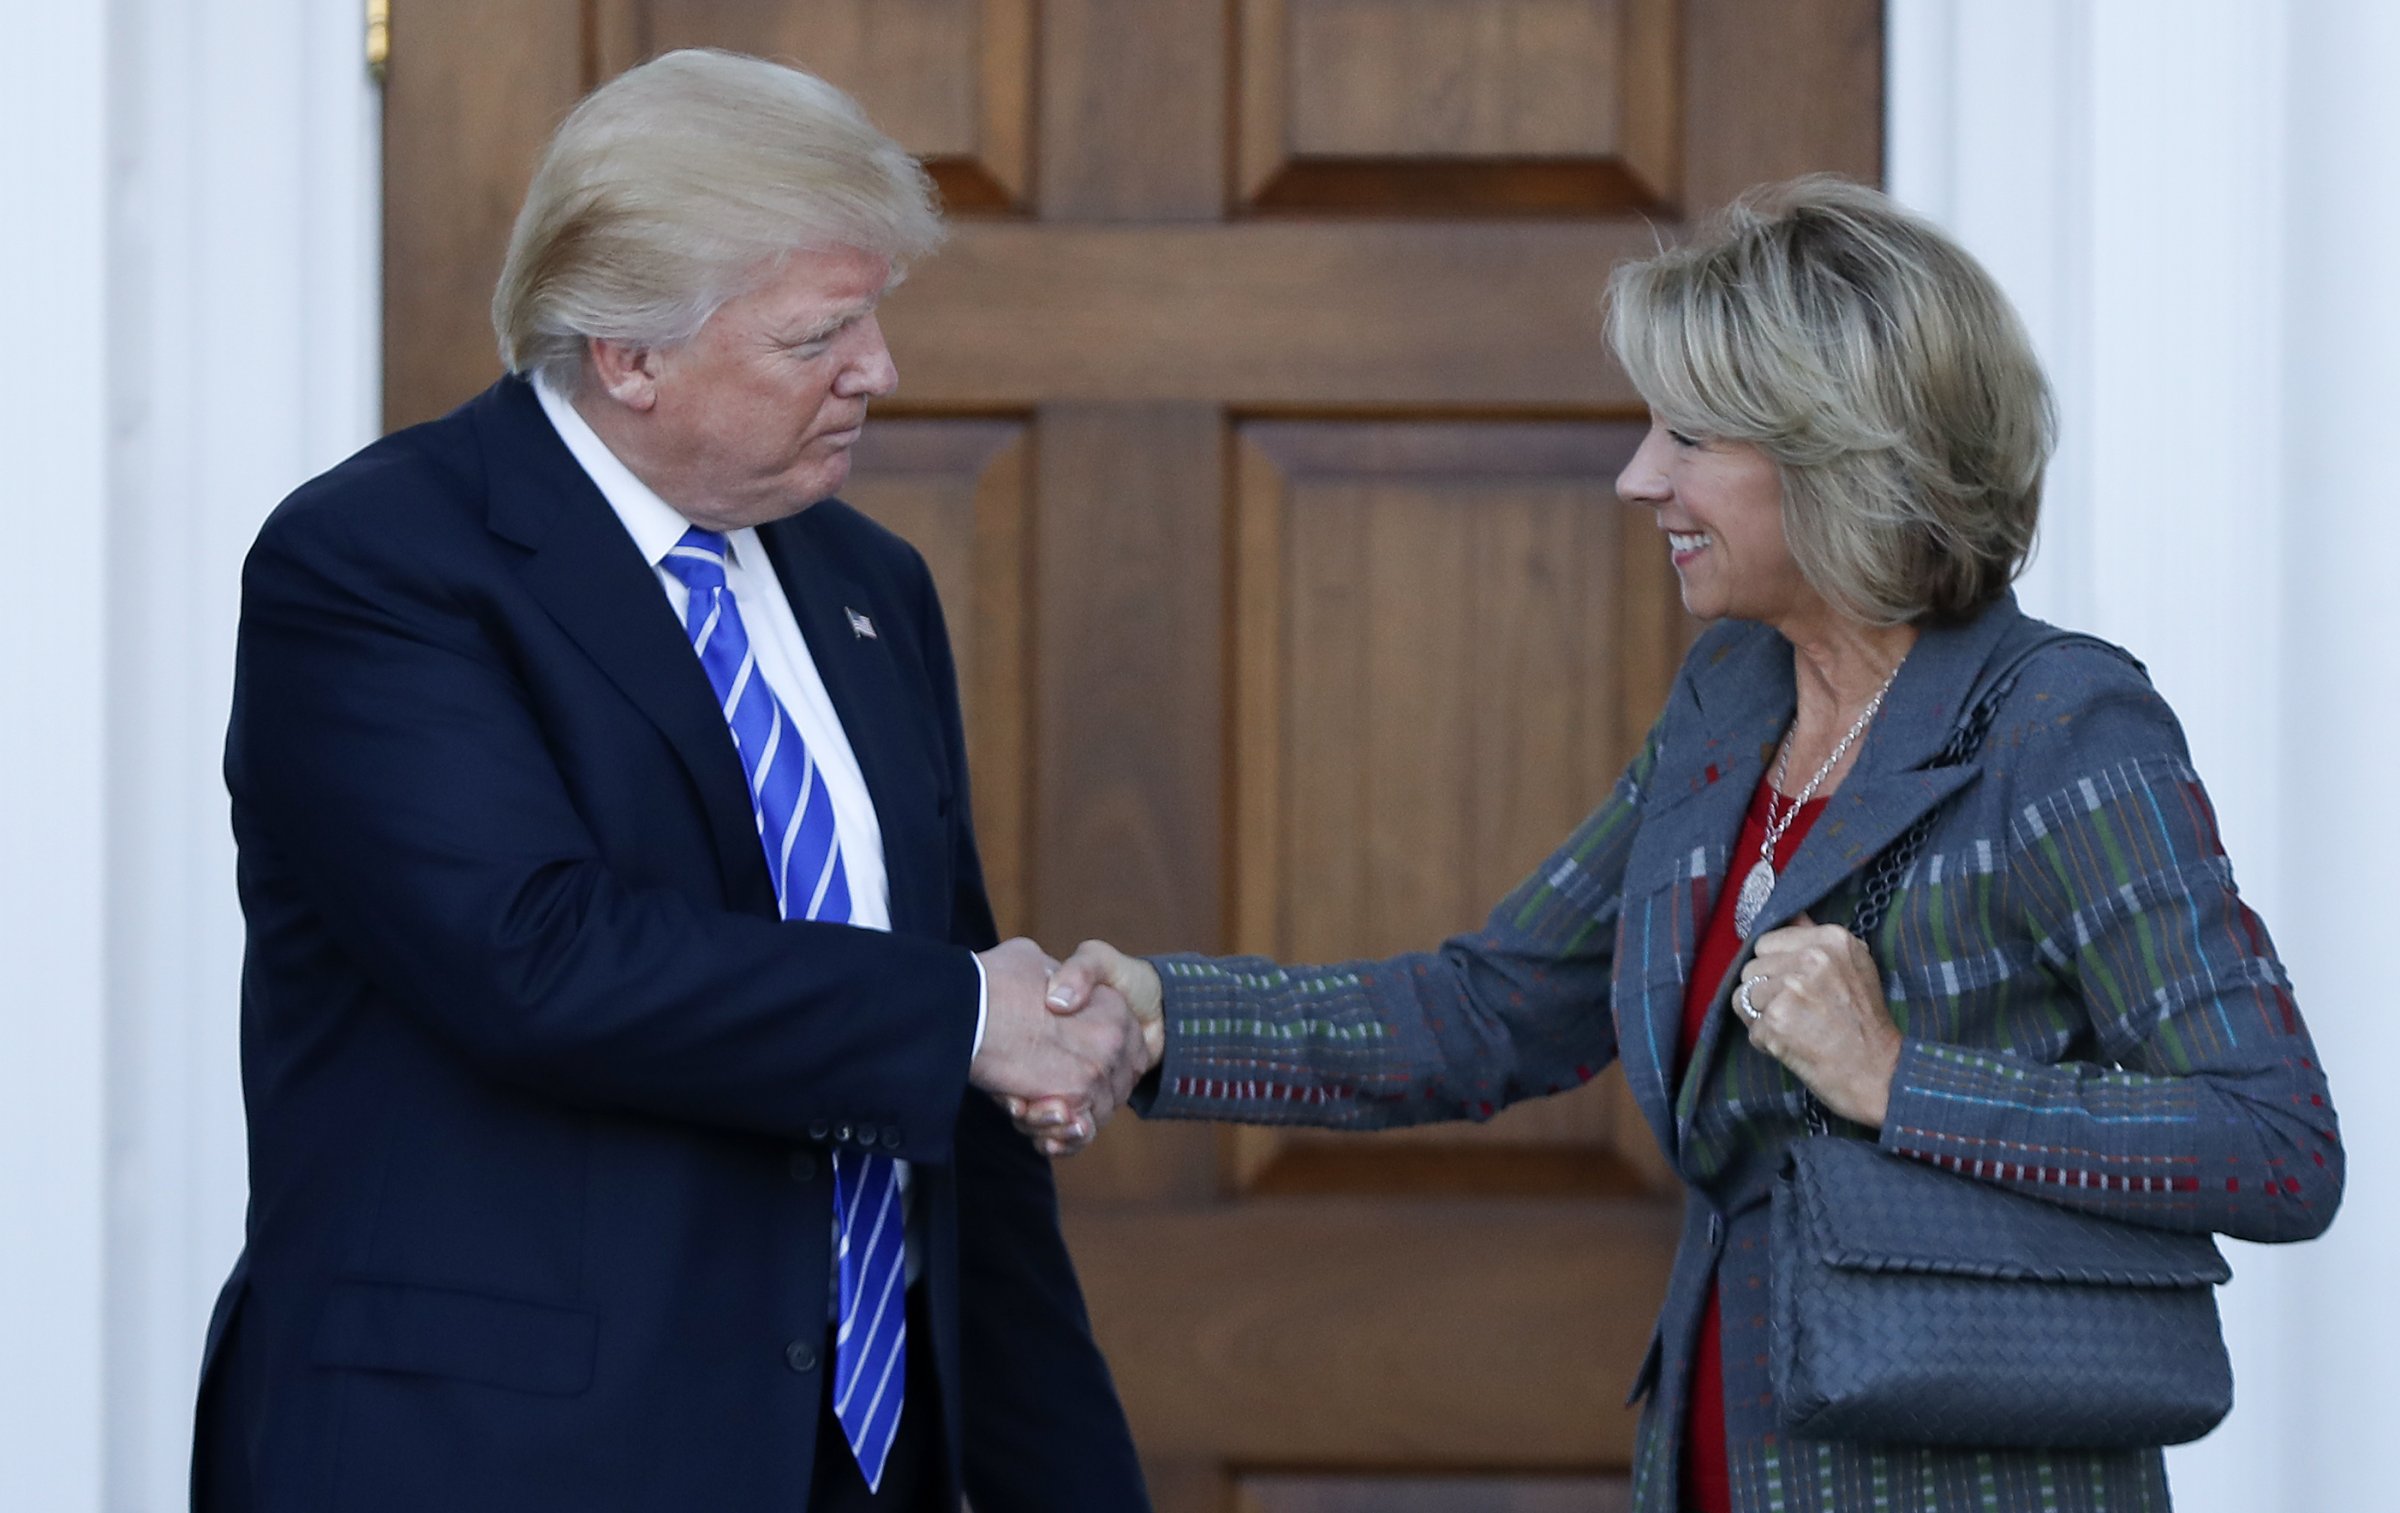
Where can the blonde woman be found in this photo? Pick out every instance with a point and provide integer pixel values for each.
(1845, 459)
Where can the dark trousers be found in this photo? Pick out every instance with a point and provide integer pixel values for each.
(915, 1476)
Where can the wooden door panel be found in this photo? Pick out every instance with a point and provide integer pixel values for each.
(1425, 317)
(1513, 78)
(1441, 633)
(1378, 1332)
(467, 107)
(950, 80)
(1430, 625)
(1257, 429)
(1129, 836)
(1431, 107)
(1133, 111)
(959, 491)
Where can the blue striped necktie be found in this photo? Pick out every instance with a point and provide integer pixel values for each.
(795, 826)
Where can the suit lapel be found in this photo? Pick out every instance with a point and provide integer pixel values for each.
(586, 572)
(869, 697)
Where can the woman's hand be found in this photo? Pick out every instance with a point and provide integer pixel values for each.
(1811, 998)
(1053, 1126)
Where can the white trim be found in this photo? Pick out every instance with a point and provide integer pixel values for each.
(246, 279)
(53, 92)
(2339, 715)
(203, 301)
(2184, 197)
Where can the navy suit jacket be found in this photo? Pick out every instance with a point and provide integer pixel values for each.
(541, 1092)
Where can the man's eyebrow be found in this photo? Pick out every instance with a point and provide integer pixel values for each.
(826, 325)
(834, 321)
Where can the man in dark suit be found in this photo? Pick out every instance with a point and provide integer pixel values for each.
(622, 1001)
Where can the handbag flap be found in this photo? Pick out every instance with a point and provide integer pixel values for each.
(1861, 1209)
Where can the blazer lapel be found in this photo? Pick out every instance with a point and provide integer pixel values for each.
(1890, 787)
(884, 728)
(1723, 717)
(586, 572)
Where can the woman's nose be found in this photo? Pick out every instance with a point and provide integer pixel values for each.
(1643, 481)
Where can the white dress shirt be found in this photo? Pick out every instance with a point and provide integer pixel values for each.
(791, 673)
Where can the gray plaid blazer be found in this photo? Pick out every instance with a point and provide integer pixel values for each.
(2091, 1013)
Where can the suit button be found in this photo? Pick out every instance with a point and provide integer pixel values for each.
(800, 1356)
(803, 1167)
(841, 1134)
(817, 1129)
(1716, 1229)
(891, 1139)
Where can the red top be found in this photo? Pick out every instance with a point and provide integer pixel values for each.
(1706, 1486)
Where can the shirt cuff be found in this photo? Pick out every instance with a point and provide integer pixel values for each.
(983, 1003)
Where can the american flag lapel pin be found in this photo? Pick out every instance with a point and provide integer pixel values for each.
(860, 626)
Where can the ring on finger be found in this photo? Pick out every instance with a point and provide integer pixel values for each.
(1742, 1000)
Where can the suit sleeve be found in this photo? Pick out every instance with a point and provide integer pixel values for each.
(2201, 1105)
(385, 751)
(1044, 1432)
(1517, 1010)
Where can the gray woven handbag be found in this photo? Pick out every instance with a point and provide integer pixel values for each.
(1911, 1305)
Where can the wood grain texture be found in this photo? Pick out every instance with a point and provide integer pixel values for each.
(1773, 91)
(958, 490)
(1432, 108)
(950, 80)
(467, 107)
(1129, 634)
(1446, 599)
(1433, 78)
(912, 63)
(1264, 314)
(1348, 1332)
(1133, 110)
(1431, 622)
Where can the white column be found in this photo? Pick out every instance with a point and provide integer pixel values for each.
(2339, 713)
(244, 277)
(53, 624)
(2191, 201)
(194, 287)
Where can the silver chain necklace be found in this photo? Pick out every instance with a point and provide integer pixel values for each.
(1759, 886)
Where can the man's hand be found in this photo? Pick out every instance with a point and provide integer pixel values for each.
(1077, 1066)
(1096, 972)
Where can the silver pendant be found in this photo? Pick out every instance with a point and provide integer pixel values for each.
(1757, 888)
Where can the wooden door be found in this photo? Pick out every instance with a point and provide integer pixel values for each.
(1258, 429)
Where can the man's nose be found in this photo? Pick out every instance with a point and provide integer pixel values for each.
(870, 373)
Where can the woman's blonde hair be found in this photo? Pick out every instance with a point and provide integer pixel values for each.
(1877, 364)
(677, 186)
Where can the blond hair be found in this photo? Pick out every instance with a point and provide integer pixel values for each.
(677, 186)
(1881, 369)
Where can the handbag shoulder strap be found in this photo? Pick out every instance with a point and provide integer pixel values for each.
(1966, 738)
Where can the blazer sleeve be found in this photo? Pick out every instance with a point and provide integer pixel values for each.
(385, 750)
(2201, 1104)
(1516, 1010)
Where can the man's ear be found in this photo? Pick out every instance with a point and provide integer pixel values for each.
(625, 373)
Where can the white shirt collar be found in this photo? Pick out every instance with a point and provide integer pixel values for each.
(651, 521)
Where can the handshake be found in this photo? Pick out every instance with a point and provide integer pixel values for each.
(1064, 1043)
